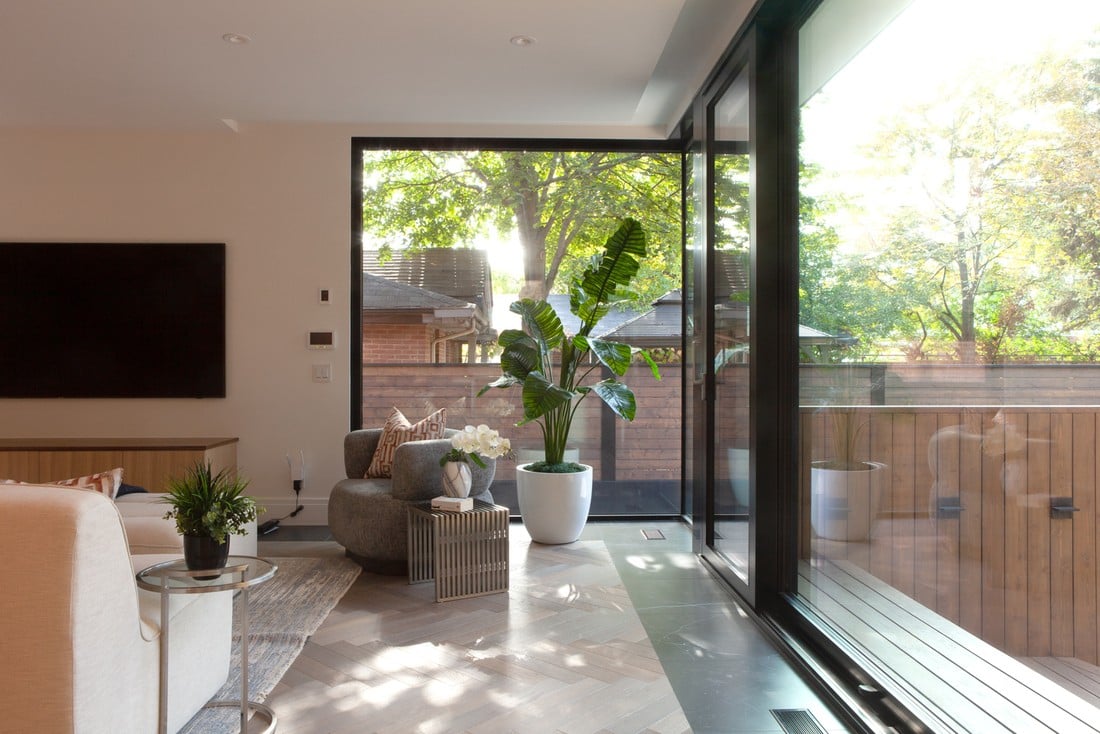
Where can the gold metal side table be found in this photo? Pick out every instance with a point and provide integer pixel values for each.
(466, 553)
(173, 577)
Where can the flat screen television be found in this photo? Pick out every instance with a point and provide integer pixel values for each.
(100, 320)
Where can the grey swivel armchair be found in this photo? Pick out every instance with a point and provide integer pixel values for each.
(368, 515)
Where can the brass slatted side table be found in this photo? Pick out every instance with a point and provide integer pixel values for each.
(466, 553)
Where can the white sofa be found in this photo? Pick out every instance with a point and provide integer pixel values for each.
(80, 651)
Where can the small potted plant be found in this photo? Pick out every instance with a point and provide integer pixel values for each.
(208, 508)
(470, 444)
(554, 494)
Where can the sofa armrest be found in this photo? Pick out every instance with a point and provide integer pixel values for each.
(359, 447)
(417, 474)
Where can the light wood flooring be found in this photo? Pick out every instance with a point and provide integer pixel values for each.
(614, 633)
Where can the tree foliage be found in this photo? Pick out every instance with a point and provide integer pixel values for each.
(988, 242)
(552, 202)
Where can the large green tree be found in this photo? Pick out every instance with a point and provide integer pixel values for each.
(963, 235)
(988, 227)
(555, 203)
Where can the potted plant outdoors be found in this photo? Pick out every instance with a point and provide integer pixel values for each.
(208, 508)
(470, 444)
(555, 495)
(845, 489)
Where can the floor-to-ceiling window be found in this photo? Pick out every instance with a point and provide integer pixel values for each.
(950, 394)
(452, 233)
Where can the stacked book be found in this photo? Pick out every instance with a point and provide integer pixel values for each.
(453, 504)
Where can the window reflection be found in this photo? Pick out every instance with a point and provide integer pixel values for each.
(950, 238)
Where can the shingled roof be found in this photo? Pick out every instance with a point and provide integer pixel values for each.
(613, 320)
(382, 294)
(660, 326)
(458, 272)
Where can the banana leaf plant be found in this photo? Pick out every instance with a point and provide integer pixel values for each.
(552, 392)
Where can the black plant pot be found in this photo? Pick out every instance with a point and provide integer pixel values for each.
(201, 552)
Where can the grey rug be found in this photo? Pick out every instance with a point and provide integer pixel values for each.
(282, 614)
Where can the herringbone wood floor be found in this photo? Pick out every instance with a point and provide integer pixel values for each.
(562, 651)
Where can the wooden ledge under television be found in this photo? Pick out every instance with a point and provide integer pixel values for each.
(146, 462)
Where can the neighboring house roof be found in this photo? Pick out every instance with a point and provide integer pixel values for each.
(382, 294)
(457, 272)
(660, 326)
(613, 320)
(810, 335)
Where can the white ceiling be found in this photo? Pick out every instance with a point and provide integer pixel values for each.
(163, 64)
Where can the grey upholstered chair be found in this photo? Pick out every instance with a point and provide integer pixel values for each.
(367, 516)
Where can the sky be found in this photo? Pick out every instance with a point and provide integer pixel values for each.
(928, 42)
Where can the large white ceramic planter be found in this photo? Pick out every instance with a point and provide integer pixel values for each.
(844, 503)
(554, 507)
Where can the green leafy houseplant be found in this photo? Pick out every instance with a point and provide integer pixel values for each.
(551, 397)
(205, 504)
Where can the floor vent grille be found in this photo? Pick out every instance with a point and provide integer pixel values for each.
(653, 534)
(797, 721)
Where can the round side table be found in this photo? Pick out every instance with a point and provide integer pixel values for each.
(173, 577)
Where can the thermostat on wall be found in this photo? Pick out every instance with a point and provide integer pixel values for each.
(321, 340)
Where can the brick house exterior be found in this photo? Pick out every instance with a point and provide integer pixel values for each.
(430, 306)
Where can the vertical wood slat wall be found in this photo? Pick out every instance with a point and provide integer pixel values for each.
(1002, 568)
(146, 462)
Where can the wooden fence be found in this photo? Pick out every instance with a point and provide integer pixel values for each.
(965, 524)
(647, 449)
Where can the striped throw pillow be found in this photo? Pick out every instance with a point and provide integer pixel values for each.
(106, 482)
(397, 431)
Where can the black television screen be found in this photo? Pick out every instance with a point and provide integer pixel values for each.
(94, 320)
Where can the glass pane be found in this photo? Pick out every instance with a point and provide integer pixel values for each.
(950, 241)
(452, 238)
(694, 354)
(730, 264)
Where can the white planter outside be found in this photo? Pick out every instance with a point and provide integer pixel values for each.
(844, 503)
(456, 479)
(737, 465)
(554, 507)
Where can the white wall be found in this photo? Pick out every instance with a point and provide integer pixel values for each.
(279, 198)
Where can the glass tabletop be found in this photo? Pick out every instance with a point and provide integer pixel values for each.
(174, 577)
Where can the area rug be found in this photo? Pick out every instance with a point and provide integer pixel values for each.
(282, 614)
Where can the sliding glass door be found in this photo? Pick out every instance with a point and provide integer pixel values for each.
(949, 402)
(720, 339)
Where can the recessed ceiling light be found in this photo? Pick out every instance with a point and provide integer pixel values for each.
(522, 40)
(236, 38)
